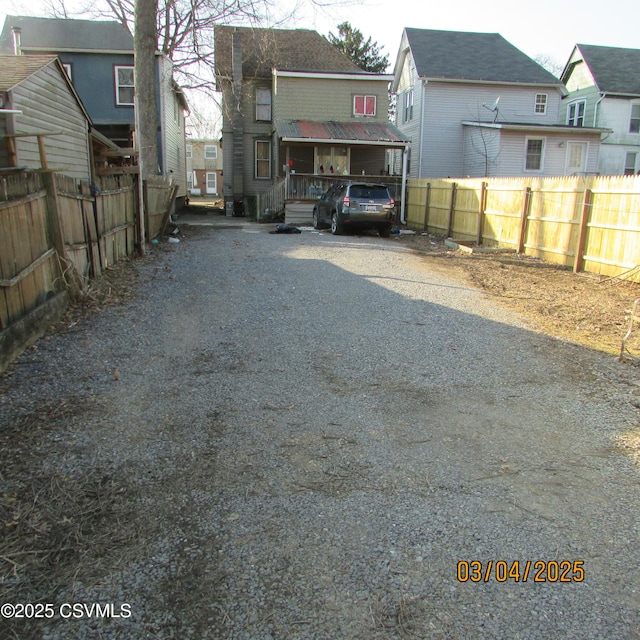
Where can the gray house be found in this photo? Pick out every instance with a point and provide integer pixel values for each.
(474, 106)
(604, 91)
(42, 121)
(98, 58)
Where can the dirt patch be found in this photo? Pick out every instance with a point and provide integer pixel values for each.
(582, 308)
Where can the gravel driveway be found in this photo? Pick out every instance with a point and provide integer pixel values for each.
(315, 437)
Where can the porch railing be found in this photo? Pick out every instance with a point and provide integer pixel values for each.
(309, 187)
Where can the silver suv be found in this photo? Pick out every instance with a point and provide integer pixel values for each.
(355, 205)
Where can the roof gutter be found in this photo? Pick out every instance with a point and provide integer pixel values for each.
(368, 143)
(333, 76)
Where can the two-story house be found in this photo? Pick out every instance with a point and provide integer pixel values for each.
(294, 104)
(204, 167)
(98, 58)
(603, 85)
(474, 105)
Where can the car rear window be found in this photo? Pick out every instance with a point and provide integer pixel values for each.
(369, 193)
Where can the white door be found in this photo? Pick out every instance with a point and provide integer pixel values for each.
(576, 158)
(212, 183)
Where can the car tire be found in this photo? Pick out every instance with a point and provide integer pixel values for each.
(384, 232)
(336, 227)
(316, 219)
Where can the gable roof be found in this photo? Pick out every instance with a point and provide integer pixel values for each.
(58, 34)
(614, 69)
(474, 57)
(284, 49)
(16, 69)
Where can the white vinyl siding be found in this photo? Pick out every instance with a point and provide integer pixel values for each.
(45, 98)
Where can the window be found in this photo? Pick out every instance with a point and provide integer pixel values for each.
(630, 163)
(634, 123)
(210, 151)
(124, 86)
(575, 113)
(364, 105)
(263, 159)
(67, 68)
(408, 105)
(535, 151)
(541, 104)
(263, 104)
(189, 151)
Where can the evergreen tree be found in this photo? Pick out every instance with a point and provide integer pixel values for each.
(365, 54)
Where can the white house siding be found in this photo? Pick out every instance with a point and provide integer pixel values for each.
(481, 152)
(173, 126)
(47, 104)
(447, 104)
(615, 113)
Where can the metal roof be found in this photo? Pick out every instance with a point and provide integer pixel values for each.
(367, 133)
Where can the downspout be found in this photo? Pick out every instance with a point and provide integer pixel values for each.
(405, 157)
(595, 110)
(421, 137)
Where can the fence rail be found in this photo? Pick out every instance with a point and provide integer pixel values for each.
(588, 223)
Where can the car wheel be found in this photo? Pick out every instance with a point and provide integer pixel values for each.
(316, 219)
(384, 232)
(336, 227)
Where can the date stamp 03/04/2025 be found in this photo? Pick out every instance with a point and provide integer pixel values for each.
(521, 571)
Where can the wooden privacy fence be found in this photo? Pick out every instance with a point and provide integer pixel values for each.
(56, 232)
(588, 223)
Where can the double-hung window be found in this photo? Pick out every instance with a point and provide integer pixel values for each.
(263, 104)
(124, 79)
(540, 108)
(534, 154)
(210, 152)
(263, 159)
(634, 121)
(575, 113)
(408, 105)
(364, 105)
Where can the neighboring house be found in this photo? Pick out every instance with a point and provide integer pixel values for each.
(474, 105)
(294, 104)
(42, 120)
(204, 167)
(98, 57)
(604, 91)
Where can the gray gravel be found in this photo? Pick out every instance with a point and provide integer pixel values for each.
(300, 436)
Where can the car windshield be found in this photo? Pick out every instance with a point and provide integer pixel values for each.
(369, 193)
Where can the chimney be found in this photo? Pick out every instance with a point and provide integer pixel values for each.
(17, 42)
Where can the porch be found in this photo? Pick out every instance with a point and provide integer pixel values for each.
(296, 194)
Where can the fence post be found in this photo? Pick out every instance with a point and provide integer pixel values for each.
(426, 206)
(582, 232)
(452, 207)
(53, 213)
(481, 210)
(526, 209)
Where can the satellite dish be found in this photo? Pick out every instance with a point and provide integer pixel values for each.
(493, 107)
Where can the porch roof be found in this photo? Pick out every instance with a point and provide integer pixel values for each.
(381, 134)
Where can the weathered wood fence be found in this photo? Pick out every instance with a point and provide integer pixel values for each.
(587, 223)
(57, 232)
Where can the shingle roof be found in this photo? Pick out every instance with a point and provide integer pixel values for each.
(284, 49)
(354, 132)
(480, 57)
(614, 69)
(57, 34)
(15, 69)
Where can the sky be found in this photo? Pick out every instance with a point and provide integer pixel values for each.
(547, 27)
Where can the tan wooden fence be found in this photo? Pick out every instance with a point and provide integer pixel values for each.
(55, 233)
(587, 223)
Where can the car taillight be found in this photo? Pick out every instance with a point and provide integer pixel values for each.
(346, 201)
